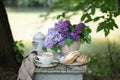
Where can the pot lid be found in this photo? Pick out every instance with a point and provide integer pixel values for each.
(38, 35)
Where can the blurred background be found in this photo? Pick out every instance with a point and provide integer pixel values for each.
(27, 17)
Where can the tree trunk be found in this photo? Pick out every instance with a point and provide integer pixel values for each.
(7, 56)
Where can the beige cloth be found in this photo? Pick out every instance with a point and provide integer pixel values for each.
(26, 70)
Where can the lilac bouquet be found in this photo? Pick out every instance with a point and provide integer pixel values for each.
(65, 33)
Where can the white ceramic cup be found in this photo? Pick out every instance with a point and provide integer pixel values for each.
(45, 58)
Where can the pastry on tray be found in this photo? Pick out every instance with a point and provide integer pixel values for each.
(82, 59)
(71, 57)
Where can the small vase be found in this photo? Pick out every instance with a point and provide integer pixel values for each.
(73, 47)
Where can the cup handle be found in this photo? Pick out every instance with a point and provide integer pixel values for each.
(36, 59)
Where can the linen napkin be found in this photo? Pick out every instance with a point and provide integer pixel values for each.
(26, 70)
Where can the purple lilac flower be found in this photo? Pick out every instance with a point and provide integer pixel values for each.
(61, 43)
(60, 31)
(75, 35)
(62, 27)
(80, 26)
(58, 37)
(51, 30)
(52, 38)
(48, 42)
(59, 22)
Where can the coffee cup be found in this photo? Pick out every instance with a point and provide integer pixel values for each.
(45, 58)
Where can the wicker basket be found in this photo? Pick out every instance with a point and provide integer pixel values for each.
(73, 47)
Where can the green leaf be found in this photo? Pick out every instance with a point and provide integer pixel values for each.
(86, 21)
(102, 17)
(55, 48)
(100, 26)
(103, 8)
(88, 40)
(93, 10)
(68, 41)
(110, 26)
(21, 51)
(88, 29)
(88, 18)
(71, 27)
(114, 24)
(106, 31)
(15, 48)
(85, 37)
(116, 13)
(82, 41)
(58, 16)
(61, 15)
(21, 45)
(83, 17)
(96, 19)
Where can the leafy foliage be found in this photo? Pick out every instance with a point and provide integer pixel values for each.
(89, 8)
(19, 51)
(86, 35)
(68, 41)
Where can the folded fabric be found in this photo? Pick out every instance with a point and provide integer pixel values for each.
(26, 70)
